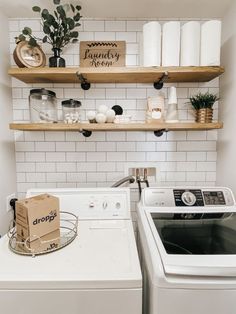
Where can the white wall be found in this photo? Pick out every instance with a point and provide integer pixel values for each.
(226, 165)
(67, 159)
(7, 155)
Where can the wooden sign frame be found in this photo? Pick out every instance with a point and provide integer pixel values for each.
(105, 54)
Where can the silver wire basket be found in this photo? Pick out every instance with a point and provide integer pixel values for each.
(67, 233)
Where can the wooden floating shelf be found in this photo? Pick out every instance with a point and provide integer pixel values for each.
(116, 74)
(115, 127)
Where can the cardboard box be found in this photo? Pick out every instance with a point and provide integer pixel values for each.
(45, 243)
(37, 216)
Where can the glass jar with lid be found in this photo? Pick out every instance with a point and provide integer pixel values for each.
(43, 106)
(71, 112)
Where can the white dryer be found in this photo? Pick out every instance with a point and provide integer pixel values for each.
(98, 273)
(187, 239)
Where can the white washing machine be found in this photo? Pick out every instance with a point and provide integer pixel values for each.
(187, 239)
(98, 273)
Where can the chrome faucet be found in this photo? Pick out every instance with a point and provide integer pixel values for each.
(129, 179)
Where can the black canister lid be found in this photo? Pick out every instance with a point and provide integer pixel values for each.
(42, 91)
(71, 103)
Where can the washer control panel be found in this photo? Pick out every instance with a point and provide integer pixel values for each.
(188, 197)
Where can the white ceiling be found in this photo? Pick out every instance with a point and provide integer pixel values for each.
(127, 8)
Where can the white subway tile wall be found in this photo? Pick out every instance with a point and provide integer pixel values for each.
(67, 159)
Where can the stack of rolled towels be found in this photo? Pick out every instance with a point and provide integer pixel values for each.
(191, 44)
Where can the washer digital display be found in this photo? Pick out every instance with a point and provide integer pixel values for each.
(214, 198)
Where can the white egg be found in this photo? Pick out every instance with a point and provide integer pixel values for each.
(110, 115)
(102, 109)
(101, 118)
(91, 115)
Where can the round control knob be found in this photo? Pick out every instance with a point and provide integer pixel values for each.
(188, 198)
(91, 204)
(118, 205)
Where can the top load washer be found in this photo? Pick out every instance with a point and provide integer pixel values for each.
(187, 238)
(97, 273)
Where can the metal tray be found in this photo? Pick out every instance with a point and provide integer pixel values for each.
(68, 232)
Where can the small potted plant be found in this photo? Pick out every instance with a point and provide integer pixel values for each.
(203, 104)
(58, 28)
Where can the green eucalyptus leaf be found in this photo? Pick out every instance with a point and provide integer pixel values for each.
(45, 38)
(77, 17)
(45, 14)
(77, 24)
(55, 25)
(36, 9)
(50, 19)
(56, 15)
(64, 25)
(56, 2)
(27, 31)
(70, 22)
(72, 8)
(21, 37)
(74, 34)
(61, 11)
(46, 29)
(74, 40)
(32, 42)
(78, 7)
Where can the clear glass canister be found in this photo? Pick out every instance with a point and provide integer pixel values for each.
(71, 112)
(43, 106)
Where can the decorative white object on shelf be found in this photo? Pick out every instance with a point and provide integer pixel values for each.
(155, 108)
(110, 114)
(124, 118)
(210, 43)
(171, 44)
(152, 44)
(91, 115)
(101, 118)
(71, 118)
(102, 109)
(190, 44)
(172, 111)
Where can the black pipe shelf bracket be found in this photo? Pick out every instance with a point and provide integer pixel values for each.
(85, 85)
(160, 83)
(85, 133)
(159, 133)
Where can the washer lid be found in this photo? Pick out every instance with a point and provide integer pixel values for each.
(195, 243)
(103, 256)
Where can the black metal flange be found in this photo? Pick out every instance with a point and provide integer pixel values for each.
(85, 85)
(86, 133)
(159, 133)
(159, 84)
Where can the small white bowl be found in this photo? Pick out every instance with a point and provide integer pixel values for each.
(124, 118)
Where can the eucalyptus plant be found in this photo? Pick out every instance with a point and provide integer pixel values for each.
(57, 26)
(201, 101)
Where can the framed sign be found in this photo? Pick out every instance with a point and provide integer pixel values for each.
(104, 54)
